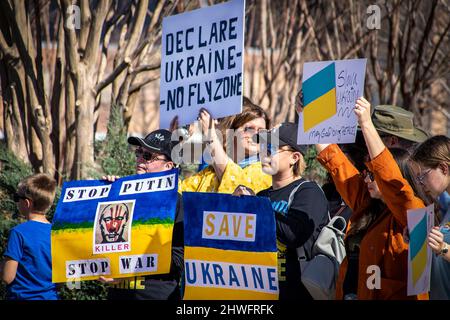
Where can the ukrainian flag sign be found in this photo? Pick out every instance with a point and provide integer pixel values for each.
(330, 90)
(420, 222)
(319, 97)
(230, 247)
(115, 230)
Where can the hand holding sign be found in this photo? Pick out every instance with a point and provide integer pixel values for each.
(174, 125)
(207, 124)
(108, 280)
(110, 178)
(242, 190)
(436, 240)
(362, 111)
(299, 102)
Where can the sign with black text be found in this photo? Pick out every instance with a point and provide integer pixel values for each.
(202, 63)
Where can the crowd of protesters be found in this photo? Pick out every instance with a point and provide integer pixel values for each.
(391, 168)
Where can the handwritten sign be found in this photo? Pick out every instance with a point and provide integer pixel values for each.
(420, 222)
(330, 90)
(202, 62)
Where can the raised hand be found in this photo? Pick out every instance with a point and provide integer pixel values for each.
(174, 125)
(207, 123)
(362, 111)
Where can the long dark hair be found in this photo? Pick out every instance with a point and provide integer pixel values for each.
(376, 207)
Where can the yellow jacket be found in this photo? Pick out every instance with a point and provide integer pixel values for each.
(206, 180)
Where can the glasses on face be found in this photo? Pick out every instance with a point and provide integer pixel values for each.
(251, 130)
(17, 197)
(148, 156)
(369, 174)
(423, 175)
(271, 152)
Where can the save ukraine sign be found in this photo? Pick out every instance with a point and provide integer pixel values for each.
(230, 247)
(116, 230)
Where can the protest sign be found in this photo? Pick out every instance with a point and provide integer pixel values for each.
(420, 222)
(202, 62)
(330, 90)
(116, 230)
(230, 247)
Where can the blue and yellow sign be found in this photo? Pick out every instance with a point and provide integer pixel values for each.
(115, 230)
(319, 97)
(230, 247)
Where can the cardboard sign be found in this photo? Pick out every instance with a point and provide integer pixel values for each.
(420, 223)
(330, 90)
(202, 63)
(116, 230)
(230, 247)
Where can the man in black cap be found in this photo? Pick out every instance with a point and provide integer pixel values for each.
(154, 154)
(299, 224)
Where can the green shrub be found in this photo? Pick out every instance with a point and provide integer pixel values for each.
(12, 172)
(314, 170)
(114, 152)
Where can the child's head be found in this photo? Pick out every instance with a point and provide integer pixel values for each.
(35, 194)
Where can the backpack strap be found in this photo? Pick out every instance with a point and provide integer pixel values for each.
(301, 254)
(300, 250)
(341, 209)
(292, 194)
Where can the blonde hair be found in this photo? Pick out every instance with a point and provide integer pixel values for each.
(40, 189)
(299, 166)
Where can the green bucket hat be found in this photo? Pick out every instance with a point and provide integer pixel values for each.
(398, 122)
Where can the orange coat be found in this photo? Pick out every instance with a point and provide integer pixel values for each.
(383, 243)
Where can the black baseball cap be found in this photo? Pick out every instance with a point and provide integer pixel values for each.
(287, 136)
(159, 141)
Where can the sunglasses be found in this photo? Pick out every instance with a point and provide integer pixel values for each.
(148, 156)
(17, 197)
(367, 173)
(272, 150)
(251, 130)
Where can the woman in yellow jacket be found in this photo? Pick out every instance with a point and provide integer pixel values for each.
(379, 199)
(242, 165)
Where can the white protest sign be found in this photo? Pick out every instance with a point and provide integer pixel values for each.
(330, 90)
(202, 63)
(420, 222)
